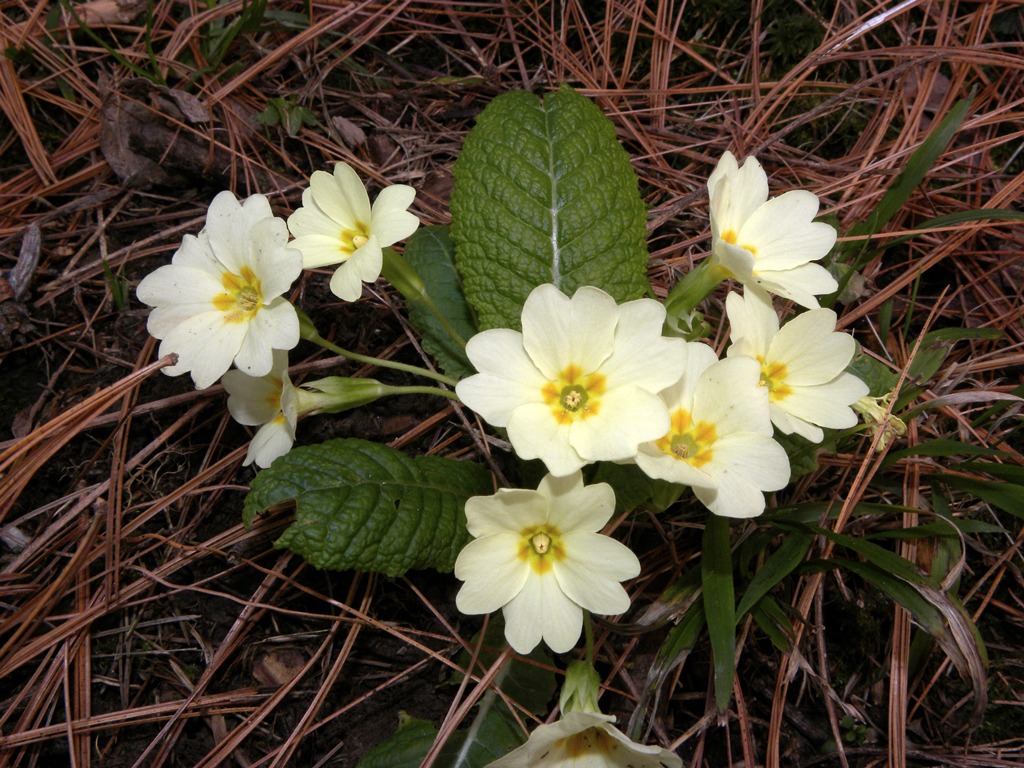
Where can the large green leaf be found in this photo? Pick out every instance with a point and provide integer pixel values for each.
(363, 505)
(544, 193)
(431, 253)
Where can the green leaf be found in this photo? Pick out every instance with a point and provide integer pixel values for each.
(959, 217)
(719, 604)
(632, 487)
(777, 567)
(492, 733)
(773, 621)
(365, 506)
(1006, 496)
(544, 193)
(920, 163)
(680, 642)
(935, 345)
(526, 680)
(879, 378)
(406, 748)
(939, 447)
(431, 253)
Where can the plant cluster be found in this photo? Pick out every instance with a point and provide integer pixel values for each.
(534, 310)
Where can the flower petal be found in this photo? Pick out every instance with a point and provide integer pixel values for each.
(641, 355)
(735, 192)
(559, 331)
(627, 417)
(273, 439)
(801, 284)
(542, 611)
(574, 506)
(390, 221)
(752, 322)
(592, 569)
(535, 434)
(492, 573)
(783, 234)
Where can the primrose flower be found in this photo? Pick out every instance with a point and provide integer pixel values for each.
(585, 740)
(802, 364)
(219, 300)
(337, 225)
(538, 556)
(579, 383)
(768, 243)
(269, 402)
(720, 441)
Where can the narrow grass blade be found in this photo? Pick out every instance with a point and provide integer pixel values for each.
(719, 605)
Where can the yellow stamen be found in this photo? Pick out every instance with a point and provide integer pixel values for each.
(687, 441)
(541, 546)
(588, 742)
(773, 376)
(574, 395)
(242, 297)
(353, 239)
(730, 237)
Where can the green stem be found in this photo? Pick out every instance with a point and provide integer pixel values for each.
(694, 287)
(421, 391)
(397, 271)
(311, 334)
(588, 637)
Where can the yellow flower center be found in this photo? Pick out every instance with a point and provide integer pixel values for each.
(588, 742)
(540, 546)
(773, 376)
(353, 239)
(730, 237)
(688, 441)
(242, 297)
(574, 396)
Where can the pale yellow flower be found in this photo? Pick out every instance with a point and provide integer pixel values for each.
(337, 225)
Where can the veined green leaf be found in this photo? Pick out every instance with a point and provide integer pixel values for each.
(878, 376)
(431, 253)
(719, 604)
(363, 505)
(544, 193)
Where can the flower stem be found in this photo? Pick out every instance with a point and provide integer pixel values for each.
(421, 391)
(397, 271)
(694, 287)
(310, 334)
(588, 637)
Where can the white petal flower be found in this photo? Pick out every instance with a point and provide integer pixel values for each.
(219, 300)
(578, 384)
(337, 225)
(538, 556)
(269, 402)
(720, 440)
(802, 364)
(585, 740)
(768, 243)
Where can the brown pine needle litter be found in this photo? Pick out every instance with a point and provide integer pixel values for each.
(142, 625)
